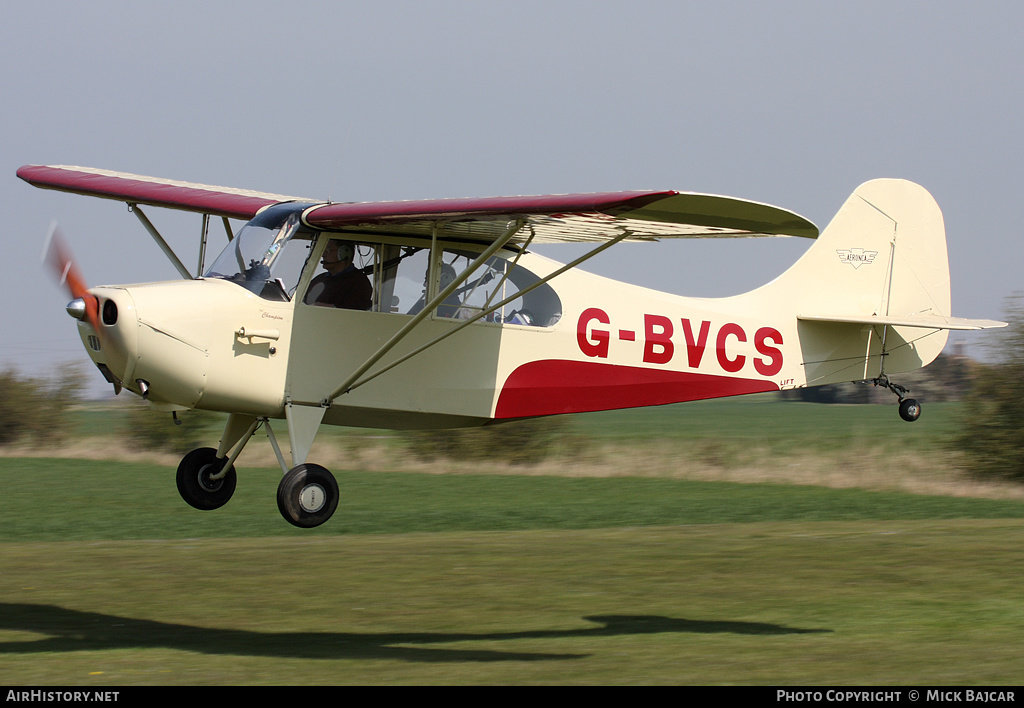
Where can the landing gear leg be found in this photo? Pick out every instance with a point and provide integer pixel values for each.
(206, 477)
(308, 494)
(306, 497)
(910, 409)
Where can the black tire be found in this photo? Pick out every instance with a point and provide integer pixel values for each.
(307, 496)
(195, 485)
(910, 410)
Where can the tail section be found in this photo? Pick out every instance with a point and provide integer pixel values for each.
(872, 294)
(883, 255)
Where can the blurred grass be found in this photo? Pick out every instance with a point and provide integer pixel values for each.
(746, 439)
(743, 417)
(779, 424)
(53, 499)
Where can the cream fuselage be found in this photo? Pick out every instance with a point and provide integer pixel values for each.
(213, 345)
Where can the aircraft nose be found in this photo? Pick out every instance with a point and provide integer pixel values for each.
(112, 341)
(149, 339)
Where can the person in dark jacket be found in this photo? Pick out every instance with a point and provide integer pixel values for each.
(342, 285)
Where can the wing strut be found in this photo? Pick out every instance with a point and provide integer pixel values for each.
(511, 230)
(490, 309)
(175, 261)
(202, 245)
(169, 252)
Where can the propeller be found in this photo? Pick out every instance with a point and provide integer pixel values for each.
(83, 306)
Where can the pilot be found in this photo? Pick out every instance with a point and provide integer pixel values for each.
(343, 285)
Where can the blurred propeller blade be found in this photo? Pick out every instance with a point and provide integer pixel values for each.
(58, 257)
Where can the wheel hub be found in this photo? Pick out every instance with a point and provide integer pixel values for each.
(307, 495)
(312, 498)
(206, 480)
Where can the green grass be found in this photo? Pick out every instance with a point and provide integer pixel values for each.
(782, 425)
(54, 500)
(762, 417)
(796, 603)
(108, 578)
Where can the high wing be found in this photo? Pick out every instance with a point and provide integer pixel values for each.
(568, 218)
(137, 189)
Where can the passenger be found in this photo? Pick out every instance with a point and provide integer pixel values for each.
(451, 307)
(343, 285)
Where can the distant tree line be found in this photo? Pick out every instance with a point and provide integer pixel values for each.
(35, 409)
(40, 411)
(520, 442)
(991, 433)
(147, 429)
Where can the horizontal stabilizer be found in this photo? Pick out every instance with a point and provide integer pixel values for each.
(925, 321)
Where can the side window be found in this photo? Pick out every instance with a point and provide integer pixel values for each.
(401, 277)
(541, 307)
(481, 291)
(395, 278)
(343, 277)
(494, 283)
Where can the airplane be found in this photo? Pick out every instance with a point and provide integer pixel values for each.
(456, 322)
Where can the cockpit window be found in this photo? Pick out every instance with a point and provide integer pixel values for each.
(267, 255)
(487, 295)
(497, 281)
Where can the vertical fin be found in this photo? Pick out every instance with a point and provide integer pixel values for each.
(882, 256)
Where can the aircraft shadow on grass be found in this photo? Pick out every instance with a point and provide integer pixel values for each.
(73, 630)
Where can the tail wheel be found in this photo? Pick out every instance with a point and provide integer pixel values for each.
(196, 482)
(307, 496)
(910, 410)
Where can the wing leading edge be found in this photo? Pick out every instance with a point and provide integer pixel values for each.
(153, 191)
(568, 218)
(565, 218)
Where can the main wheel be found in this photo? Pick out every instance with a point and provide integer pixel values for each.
(195, 483)
(307, 496)
(910, 410)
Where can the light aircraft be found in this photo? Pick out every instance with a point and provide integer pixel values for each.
(457, 323)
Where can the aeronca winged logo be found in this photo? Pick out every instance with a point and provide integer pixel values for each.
(856, 256)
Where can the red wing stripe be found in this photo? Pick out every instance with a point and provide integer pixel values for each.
(334, 216)
(186, 196)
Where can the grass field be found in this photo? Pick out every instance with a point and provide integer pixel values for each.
(690, 571)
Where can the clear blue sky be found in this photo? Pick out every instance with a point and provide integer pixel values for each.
(790, 103)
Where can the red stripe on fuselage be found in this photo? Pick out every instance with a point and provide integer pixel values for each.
(554, 386)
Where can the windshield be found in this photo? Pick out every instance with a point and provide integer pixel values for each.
(267, 255)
